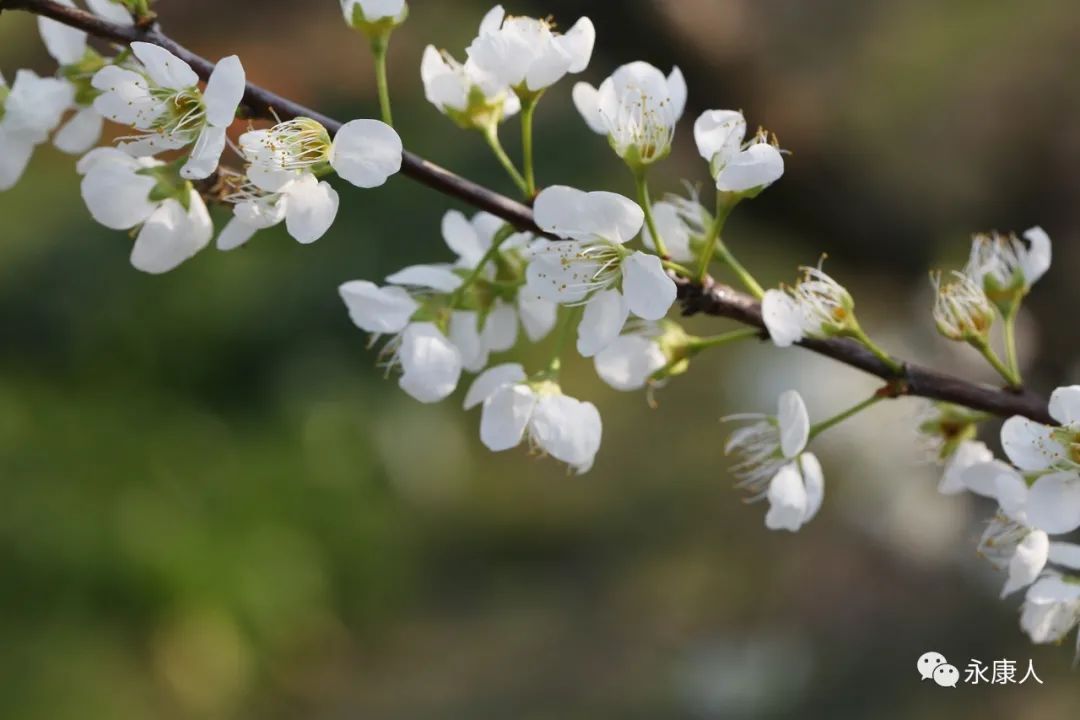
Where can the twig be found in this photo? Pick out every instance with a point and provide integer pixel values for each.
(708, 298)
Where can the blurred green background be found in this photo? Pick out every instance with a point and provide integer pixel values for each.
(212, 505)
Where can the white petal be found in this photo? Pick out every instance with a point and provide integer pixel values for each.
(310, 208)
(110, 10)
(649, 291)
(548, 66)
(760, 165)
(15, 153)
(172, 235)
(224, 91)
(500, 327)
(575, 214)
(430, 363)
(627, 363)
(999, 481)
(435, 277)
(814, 480)
(538, 316)
(787, 500)
(603, 320)
(492, 379)
(578, 43)
(559, 273)
(506, 414)
(719, 132)
(968, 454)
(1054, 503)
(676, 85)
(1027, 562)
(567, 429)
(262, 213)
(236, 233)
(465, 334)
(378, 310)
(783, 318)
(125, 98)
(1065, 405)
(1065, 554)
(587, 102)
(794, 423)
(35, 105)
(1030, 445)
(461, 237)
(366, 152)
(164, 68)
(444, 86)
(493, 20)
(116, 195)
(80, 133)
(1037, 259)
(205, 154)
(66, 44)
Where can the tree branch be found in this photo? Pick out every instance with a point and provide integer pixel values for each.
(711, 298)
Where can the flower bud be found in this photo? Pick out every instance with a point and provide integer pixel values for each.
(962, 311)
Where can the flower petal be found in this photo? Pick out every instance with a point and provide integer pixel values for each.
(110, 10)
(172, 235)
(80, 133)
(628, 362)
(206, 154)
(759, 166)
(65, 44)
(787, 500)
(15, 154)
(366, 152)
(1027, 561)
(1036, 261)
(1054, 503)
(492, 379)
(578, 215)
(435, 277)
(603, 320)
(567, 429)
(500, 327)
(578, 44)
(783, 318)
(649, 291)
(224, 91)
(430, 363)
(1065, 554)
(1030, 445)
(505, 416)
(794, 423)
(538, 316)
(375, 309)
(310, 208)
(164, 68)
(969, 453)
(1065, 405)
(461, 237)
(719, 132)
(587, 101)
(465, 334)
(814, 481)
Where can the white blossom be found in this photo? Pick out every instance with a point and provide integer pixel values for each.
(526, 54)
(962, 311)
(1004, 263)
(630, 360)
(967, 454)
(682, 223)
(1051, 608)
(465, 93)
(555, 424)
(123, 192)
(305, 204)
(161, 98)
(593, 267)
(772, 463)
(637, 108)
(817, 306)
(29, 110)
(737, 166)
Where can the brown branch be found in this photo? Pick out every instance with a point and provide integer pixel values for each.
(711, 299)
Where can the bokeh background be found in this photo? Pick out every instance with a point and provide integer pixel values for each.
(212, 505)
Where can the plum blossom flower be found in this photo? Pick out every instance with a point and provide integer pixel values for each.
(555, 424)
(1005, 265)
(124, 192)
(368, 15)
(592, 266)
(737, 166)
(637, 108)
(29, 110)
(466, 94)
(772, 463)
(817, 306)
(962, 311)
(364, 152)
(682, 223)
(161, 99)
(525, 54)
(306, 205)
(637, 357)
(1051, 609)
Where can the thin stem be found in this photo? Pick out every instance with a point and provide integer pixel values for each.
(889, 361)
(491, 134)
(698, 344)
(824, 425)
(1010, 344)
(500, 237)
(642, 183)
(743, 274)
(995, 362)
(528, 109)
(677, 268)
(379, 45)
(725, 203)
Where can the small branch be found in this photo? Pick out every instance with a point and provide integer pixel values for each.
(708, 297)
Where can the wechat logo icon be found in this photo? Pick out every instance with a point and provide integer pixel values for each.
(934, 666)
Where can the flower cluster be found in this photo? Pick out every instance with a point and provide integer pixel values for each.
(597, 273)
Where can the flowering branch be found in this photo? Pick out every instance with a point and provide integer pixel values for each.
(709, 297)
